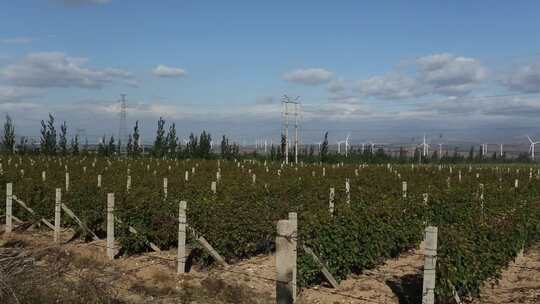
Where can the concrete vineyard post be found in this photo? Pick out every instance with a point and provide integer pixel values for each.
(9, 208)
(428, 288)
(57, 214)
(516, 183)
(348, 191)
(165, 185)
(99, 180)
(128, 183)
(284, 262)
(404, 189)
(186, 176)
(182, 220)
(213, 187)
(43, 176)
(331, 201)
(67, 181)
(110, 226)
(293, 219)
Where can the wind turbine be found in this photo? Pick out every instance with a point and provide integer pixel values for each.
(532, 146)
(425, 147)
(347, 143)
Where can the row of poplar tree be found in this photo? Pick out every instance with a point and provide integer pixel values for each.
(166, 143)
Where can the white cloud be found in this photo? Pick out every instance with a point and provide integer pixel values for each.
(391, 86)
(9, 94)
(336, 86)
(439, 74)
(16, 40)
(450, 75)
(169, 72)
(313, 76)
(526, 79)
(55, 69)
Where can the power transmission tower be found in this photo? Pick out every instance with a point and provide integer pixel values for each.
(122, 129)
(285, 102)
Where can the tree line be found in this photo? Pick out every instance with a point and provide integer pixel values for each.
(167, 144)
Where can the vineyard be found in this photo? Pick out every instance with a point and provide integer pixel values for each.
(354, 216)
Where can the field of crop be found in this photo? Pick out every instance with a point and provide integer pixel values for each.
(485, 214)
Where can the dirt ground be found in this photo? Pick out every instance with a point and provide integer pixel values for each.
(151, 278)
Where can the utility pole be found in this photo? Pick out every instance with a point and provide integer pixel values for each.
(122, 129)
(285, 105)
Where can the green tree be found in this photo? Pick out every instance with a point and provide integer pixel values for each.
(160, 142)
(471, 153)
(172, 140)
(75, 145)
(283, 145)
(324, 148)
(111, 147)
(8, 142)
(224, 147)
(136, 151)
(102, 148)
(48, 136)
(62, 139)
(205, 146)
(192, 145)
(129, 146)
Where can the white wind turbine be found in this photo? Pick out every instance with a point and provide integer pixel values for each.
(532, 146)
(347, 144)
(425, 147)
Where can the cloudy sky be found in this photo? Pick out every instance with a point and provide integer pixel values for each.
(385, 71)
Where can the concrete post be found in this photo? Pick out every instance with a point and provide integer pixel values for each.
(182, 220)
(293, 219)
(57, 214)
(9, 208)
(67, 181)
(99, 180)
(110, 226)
(428, 289)
(165, 185)
(284, 263)
(347, 191)
(404, 189)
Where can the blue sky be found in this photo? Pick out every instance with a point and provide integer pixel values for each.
(384, 70)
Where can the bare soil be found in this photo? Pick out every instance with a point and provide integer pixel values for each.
(151, 278)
